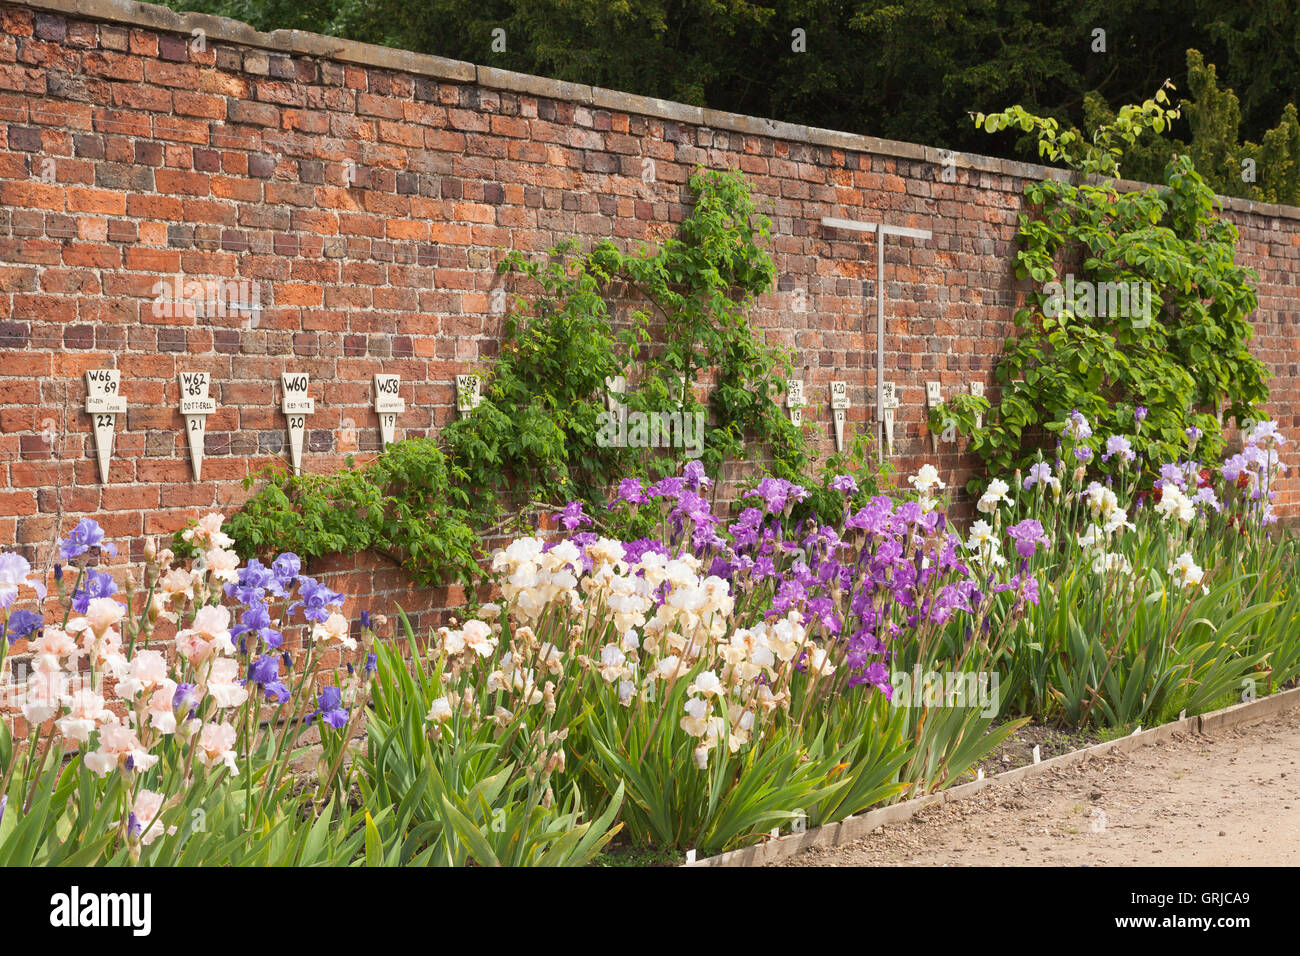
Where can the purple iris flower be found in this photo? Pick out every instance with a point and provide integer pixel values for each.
(776, 493)
(264, 670)
(21, 624)
(877, 675)
(1027, 535)
(572, 517)
(316, 600)
(844, 483)
(1140, 413)
(1120, 447)
(695, 477)
(744, 530)
(670, 487)
(329, 708)
(790, 594)
(634, 550)
(875, 518)
(692, 506)
(1173, 473)
(1026, 589)
(265, 673)
(96, 584)
(81, 539)
(253, 583)
(286, 568)
(372, 665)
(257, 620)
(185, 697)
(630, 490)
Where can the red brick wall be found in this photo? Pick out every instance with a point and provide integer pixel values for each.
(368, 193)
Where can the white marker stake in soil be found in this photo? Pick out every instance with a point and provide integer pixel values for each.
(794, 400)
(104, 403)
(888, 405)
(933, 399)
(388, 405)
(1038, 756)
(195, 408)
(296, 405)
(468, 393)
(839, 410)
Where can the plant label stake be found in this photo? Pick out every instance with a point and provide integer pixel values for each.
(839, 411)
(977, 389)
(1038, 755)
(794, 400)
(888, 406)
(933, 399)
(296, 405)
(196, 406)
(104, 403)
(388, 405)
(468, 395)
(615, 407)
(882, 232)
(615, 388)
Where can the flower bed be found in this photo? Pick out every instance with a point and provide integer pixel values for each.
(696, 687)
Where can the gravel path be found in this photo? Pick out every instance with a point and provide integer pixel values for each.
(1230, 799)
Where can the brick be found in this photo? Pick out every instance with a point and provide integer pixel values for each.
(166, 166)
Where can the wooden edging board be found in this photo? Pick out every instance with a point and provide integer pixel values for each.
(855, 828)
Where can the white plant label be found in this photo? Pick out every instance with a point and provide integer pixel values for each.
(888, 406)
(196, 406)
(388, 405)
(104, 403)
(839, 411)
(615, 388)
(977, 389)
(468, 394)
(794, 400)
(296, 405)
(933, 399)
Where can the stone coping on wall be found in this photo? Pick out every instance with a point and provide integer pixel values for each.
(299, 42)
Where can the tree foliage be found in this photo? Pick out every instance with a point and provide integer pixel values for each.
(1181, 351)
(907, 71)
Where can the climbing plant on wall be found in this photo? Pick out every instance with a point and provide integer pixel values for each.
(534, 440)
(1137, 302)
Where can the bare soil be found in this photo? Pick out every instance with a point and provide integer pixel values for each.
(1232, 799)
(1018, 749)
